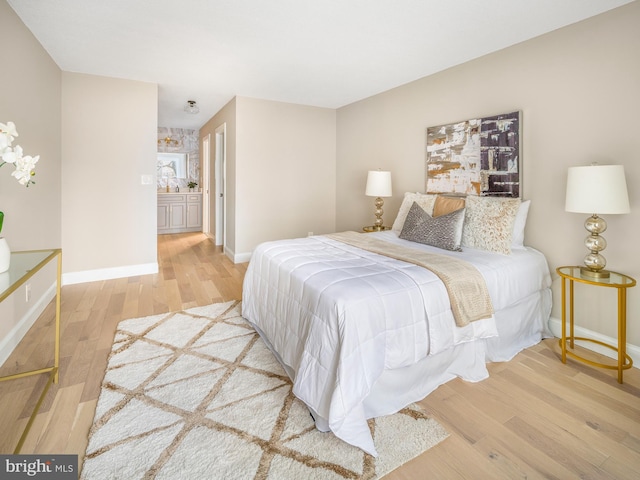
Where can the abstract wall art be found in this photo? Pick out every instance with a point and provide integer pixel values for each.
(480, 156)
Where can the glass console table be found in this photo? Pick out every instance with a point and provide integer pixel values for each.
(25, 265)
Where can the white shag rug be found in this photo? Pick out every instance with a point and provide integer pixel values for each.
(197, 394)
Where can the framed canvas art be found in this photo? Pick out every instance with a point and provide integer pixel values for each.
(480, 156)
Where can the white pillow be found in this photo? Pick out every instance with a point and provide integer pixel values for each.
(426, 201)
(517, 238)
(488, 223)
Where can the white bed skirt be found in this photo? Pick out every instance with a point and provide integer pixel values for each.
(396, 389)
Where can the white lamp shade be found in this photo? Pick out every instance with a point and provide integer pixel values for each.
(597, 189)
(378, 184)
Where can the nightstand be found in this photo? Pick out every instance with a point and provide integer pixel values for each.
(373, 228)
(616, 280)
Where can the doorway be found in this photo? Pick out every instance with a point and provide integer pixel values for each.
(220, 184)
(206, 180)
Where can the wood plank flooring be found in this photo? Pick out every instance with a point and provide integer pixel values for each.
(534, 417)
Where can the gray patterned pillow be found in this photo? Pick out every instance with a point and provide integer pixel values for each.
(443, 232)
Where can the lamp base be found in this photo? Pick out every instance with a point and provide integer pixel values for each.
(596, 275)
(594, 262)
(379, 202)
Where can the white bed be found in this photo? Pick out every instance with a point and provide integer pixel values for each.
(363, 335)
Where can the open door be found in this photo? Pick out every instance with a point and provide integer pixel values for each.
(220, 185)
(206, 181)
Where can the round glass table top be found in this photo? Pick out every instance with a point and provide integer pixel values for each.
(615, 279)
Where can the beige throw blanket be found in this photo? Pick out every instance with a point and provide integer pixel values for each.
(467, 289)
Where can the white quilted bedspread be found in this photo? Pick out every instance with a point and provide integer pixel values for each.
(338, 316)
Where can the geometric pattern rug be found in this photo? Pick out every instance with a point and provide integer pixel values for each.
(197, 395)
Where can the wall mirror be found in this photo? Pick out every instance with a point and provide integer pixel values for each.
(172, 165)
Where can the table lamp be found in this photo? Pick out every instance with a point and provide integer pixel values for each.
(378, 185)
(596, 189)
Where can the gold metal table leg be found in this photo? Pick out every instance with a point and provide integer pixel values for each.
(23, 437)
(56, 353)
(563, 340)
(622, 330)
(571, 324)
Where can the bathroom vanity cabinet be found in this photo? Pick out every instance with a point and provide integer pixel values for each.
(179, 212)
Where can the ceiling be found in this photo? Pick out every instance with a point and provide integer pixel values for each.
(326, 53)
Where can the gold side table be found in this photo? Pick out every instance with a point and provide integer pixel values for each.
(373, 228)
(616, 280)
(24, 265)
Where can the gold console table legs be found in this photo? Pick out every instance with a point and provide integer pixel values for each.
(31, 262)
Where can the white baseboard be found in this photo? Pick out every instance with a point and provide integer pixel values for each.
(242, 258)
(13, 338)
(555, 325)
(237, 257)
(109, 273)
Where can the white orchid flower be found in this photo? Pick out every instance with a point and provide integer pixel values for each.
(5, 151)
(25, 169)
(9, 130)
(24, 165)
(24, 178)
(27, 162)
(4, 141)
(11, 155)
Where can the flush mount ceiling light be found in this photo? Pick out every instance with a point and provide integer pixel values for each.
(191, 107)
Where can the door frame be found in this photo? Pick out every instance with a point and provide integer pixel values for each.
(206, 181)
(220, 167)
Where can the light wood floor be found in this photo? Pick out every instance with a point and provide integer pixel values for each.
(534, 417)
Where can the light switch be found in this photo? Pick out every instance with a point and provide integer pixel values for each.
(146, 179)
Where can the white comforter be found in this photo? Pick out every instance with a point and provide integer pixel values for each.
(338, 316)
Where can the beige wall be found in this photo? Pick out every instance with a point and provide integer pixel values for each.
(578, 92)
(285, 157)
(29, 97)
(109, 129)
(95, 137)
(280, 171)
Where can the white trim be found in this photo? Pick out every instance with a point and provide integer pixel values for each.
(109, 273)
(17, 333)
(555, 325)
(220, 186)
(237, 257)
(205, 180)
(242, 257)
